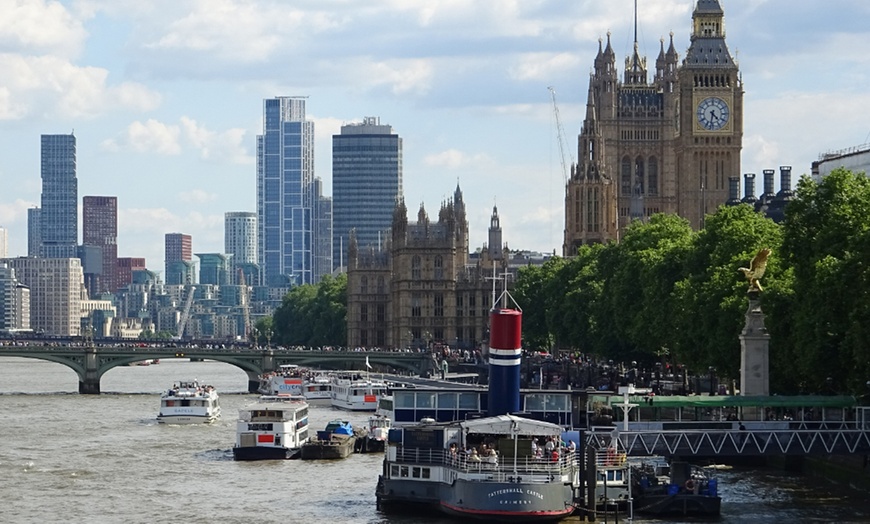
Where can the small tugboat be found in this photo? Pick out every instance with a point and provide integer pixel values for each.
(275, 427)
(376, 433)
(678, 489)
(189, 402)
(335, 442)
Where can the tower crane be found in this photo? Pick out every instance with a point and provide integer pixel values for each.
(560, 133)
(244, 300)
(185, 313)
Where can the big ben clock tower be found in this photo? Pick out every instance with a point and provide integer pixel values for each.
(711, 117)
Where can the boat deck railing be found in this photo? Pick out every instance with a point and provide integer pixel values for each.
(498, 465)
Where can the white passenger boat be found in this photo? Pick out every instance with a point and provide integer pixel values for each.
(274, 427)
(287, 380)
(189, 402)
(317, 387)
(356, 393)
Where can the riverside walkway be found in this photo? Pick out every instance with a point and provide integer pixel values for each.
(91, 362)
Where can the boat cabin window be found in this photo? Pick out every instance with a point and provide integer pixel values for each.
(404, 399)
(425, 400)
(469, 401)
(447, 400)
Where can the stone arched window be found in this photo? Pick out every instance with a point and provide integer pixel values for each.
(653, 176)
(415, 268)
(625, 176)
(439, 267)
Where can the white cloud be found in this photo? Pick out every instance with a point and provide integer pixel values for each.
(543, 66)
(51, 87)
(197, 196)
(37, 27)
(455, 159)
(402, 76)
(161, 138)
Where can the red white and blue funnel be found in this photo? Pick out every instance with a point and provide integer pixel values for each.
(505, 352)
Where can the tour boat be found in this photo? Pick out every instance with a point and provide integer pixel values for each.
(189, 402)
(317, 386)
(356, 393)
(375, 435)
(499, 478)
(274, 427)
(286, 381)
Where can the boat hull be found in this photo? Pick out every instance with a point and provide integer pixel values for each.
(682, 504)
(502, 501)
(327, 450)
(187, 419)
(265, 453)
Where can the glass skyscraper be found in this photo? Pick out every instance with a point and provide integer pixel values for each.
(59, 216)
(285, 172)
(366, 183)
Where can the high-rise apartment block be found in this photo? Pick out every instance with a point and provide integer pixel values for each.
(34, 231)
(55, 293)
(126, 267)
(14, 301)
(100, 229)
(366, 184)
(286, 194)
(215, 268)
(322, 233)
(59, 217)
(240, 241)
(178, 254)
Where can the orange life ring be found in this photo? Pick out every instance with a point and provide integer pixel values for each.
(690, 485)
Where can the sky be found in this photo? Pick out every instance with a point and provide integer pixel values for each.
(165, 97)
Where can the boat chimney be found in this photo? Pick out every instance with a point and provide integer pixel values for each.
(505, 353)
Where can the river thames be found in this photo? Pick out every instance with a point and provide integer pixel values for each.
(76, 458)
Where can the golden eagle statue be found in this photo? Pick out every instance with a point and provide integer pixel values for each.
(756, 270)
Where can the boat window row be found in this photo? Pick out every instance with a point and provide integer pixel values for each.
(414, 472)
(260, 427)
(187, 402)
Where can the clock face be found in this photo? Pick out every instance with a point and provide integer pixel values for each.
(713, 113)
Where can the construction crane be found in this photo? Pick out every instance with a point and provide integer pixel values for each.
(560, 133)
(244, 300)
(185, 313)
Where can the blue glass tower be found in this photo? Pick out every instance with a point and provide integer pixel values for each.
(366, 184)
(59, 217)
(285, 172)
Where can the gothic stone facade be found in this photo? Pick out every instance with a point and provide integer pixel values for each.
(669, 146)
(419, 290)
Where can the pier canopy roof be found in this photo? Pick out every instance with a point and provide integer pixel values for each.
(510, 424)
(725, 401)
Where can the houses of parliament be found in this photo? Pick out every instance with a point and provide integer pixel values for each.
(669, 145)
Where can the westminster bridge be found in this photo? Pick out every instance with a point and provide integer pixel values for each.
(91, 362)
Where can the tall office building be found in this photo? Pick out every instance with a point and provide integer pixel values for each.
(285, 172)
(59, 218)
(34, 231)
(178, 255)
(100, 229)
(4, 242)
(322, 234)
(366, 184)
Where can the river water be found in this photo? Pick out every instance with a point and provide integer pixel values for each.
(66, 457)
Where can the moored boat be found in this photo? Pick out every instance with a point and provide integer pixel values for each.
(356, 393)
(334, 442)
(317, 386)
(678, 489)
(189, 402)
(286, 381)
(274, 427)
(376, 433)
(482, 468)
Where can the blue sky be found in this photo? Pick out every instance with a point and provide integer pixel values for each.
(165, 96)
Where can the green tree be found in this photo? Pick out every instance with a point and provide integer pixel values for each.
(313, 315)
(827, 243)
(710, 301)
